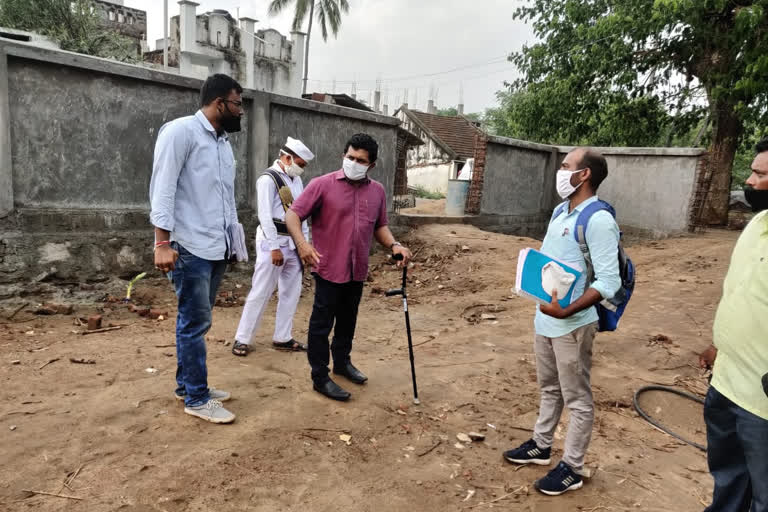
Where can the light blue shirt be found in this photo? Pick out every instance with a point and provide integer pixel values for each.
(192, 192)
(602, 236)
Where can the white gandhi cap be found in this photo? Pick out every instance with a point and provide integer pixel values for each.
(300, 149)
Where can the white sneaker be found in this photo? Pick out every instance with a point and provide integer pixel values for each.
(216, 394)
(212, 411)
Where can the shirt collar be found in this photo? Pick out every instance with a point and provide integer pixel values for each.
(208, 126)
(339, 175)
(583, 204)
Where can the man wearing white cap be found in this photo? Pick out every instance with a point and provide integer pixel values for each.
(277, 262)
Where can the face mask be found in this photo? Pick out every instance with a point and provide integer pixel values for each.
(757, 199)
(564, 187)
(230, 123)
(292, 169)
(353, 170)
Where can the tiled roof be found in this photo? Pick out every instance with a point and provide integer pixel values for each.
(456, 132)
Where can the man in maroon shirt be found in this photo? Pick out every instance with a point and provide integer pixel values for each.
(347, 209)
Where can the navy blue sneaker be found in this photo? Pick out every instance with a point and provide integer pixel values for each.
(529, 453)
(560, 480)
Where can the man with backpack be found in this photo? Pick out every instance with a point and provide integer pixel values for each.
(582, 233)
(277, 262)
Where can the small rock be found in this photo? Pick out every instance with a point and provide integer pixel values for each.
(346, 438)
(476, 436)
(401, 412)
(464, 438)
(16, 361)
(460, 446)
(151, 370)
(161, 317)
(465, 248)
(94, 322)
(12, 427)
(488, 316)
(440, 287)
(155, 314)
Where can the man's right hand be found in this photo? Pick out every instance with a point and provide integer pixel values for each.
(277, 258)
(707, 358)
(308, 254)
(165, 258)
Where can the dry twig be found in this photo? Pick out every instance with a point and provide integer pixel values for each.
(53, 494)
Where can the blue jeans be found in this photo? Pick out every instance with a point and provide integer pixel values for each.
(196, 282)
(737, 451)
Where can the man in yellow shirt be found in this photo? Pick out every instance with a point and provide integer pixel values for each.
(736, 407)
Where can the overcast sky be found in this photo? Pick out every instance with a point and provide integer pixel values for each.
(409, 44)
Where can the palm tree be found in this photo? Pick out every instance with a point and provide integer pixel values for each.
(328, 15)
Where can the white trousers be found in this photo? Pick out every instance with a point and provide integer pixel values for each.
(266, 276)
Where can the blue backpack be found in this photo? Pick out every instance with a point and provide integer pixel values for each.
(609, 311)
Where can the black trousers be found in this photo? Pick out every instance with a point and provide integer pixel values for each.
(334, 303)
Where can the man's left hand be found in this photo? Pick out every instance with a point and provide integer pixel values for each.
(554, 309)
(399, 249)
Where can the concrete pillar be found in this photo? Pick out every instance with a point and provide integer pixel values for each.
(376, 101)
(431, 107)
(187, 35)
(385, 110)
(461, 109)
(298, 57)
(258, 118)
(248, 42)
(6, 163)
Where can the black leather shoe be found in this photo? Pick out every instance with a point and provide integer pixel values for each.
(332, 391)
(349, 371)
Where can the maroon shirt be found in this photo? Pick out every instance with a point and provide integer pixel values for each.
(344, 218)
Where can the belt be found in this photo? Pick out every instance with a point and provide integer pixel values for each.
(282, 228)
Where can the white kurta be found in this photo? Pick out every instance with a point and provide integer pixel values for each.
(267, 276)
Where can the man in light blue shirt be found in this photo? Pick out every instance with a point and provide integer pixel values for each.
(192, 195)
(564, 336)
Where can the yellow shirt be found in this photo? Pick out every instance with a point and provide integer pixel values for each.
(741, 323)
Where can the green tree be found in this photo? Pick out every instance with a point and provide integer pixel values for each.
(74, 24)
(329, 14)
(448, 112)
(638, 57)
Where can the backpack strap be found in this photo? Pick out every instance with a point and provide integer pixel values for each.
(283, 191)
(580, 233)
(558, 210)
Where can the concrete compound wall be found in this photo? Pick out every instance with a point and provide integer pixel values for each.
(431, 177)
(77, 137)
(651, 188)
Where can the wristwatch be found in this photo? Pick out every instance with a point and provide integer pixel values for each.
(394, 244)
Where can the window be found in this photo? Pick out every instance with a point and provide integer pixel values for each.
(111, 15)
(218, 38)
(120, 17)
(130, 20)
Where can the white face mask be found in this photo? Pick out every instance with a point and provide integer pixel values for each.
(564, 187)
(353, 170)
(292, 169)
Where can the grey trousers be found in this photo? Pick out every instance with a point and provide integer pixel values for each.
(563, 368)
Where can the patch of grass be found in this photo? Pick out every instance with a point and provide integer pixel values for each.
(423, 193)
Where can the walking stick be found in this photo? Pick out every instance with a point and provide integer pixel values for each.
(401, 291)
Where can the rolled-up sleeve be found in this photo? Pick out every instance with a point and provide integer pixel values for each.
(603, 241)
(170, 155)
(309, 200)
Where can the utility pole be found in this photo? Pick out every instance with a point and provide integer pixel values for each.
(165, 35)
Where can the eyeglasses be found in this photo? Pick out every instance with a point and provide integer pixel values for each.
(238, 104)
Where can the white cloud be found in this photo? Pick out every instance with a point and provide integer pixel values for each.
(401, 42)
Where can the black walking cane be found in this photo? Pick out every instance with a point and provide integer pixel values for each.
(401, 291)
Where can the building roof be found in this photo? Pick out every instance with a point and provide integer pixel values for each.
(341, 100)
(455, 132)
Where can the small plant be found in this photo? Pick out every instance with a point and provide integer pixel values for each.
(423, 193)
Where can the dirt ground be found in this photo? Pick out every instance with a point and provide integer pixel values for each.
(426, 207)
(112, 435)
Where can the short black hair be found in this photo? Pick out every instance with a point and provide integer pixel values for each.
(762, 146)
(597, 164)
(366, 142)
(218, 86)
